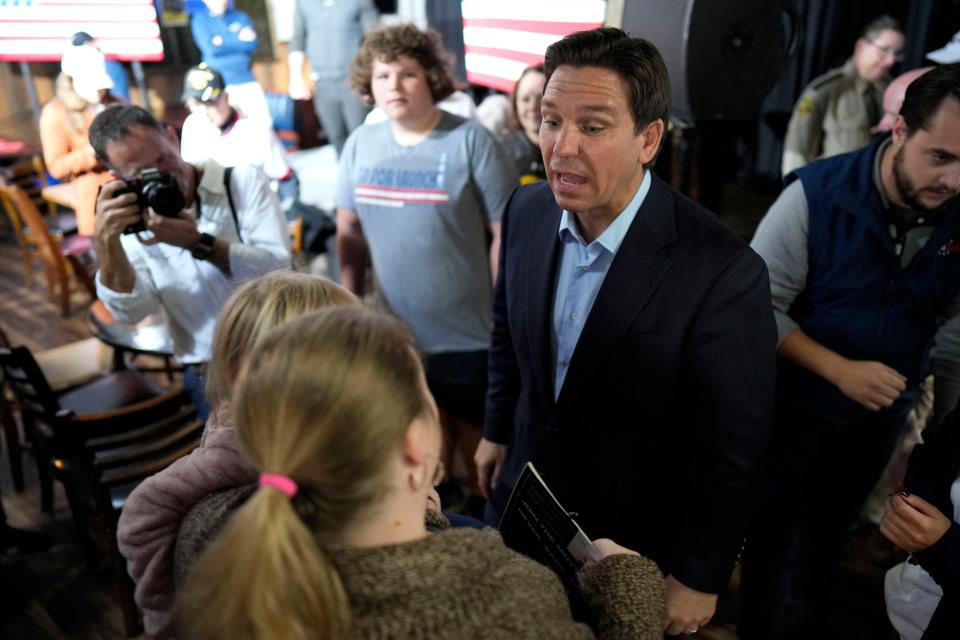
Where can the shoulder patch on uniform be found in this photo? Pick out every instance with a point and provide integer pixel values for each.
(807, 106)
(822, 81)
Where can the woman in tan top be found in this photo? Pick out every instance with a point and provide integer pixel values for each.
(82, 91)
(334, 412)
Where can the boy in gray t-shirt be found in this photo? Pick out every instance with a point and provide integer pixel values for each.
(425, 211)
(422, 194)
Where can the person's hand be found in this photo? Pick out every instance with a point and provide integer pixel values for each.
(247, 34)
(608, 547)
(687, 610)
(872, 384)
(298, 88)
(114, 213)
(912, 523)
(180, 231)
(489, 460)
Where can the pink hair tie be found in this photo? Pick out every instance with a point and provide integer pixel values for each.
(279, 482)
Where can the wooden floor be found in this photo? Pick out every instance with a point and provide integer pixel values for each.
(57, 595)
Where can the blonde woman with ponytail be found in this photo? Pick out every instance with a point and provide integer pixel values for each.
(335, 415)
(152, 515)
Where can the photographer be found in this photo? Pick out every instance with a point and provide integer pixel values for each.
(186, 261)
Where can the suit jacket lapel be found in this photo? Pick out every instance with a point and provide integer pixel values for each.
(634, 276)
(542, 264)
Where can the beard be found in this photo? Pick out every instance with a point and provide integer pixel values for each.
(907, 190)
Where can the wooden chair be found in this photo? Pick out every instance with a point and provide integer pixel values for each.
(30, 174)
(65, 367)
(38, 403)
(101, 458)
(60, 254)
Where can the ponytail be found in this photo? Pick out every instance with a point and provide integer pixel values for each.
(324, 400)
(264, 576)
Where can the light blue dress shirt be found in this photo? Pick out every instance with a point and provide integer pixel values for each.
(583, 268)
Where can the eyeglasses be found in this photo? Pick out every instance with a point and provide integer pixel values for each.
(887, 51)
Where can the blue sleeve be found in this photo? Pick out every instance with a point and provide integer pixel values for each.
(203, 31)
(204, 27)
(117, 73)
(238, 45)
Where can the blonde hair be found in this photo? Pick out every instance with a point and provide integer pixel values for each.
(326, 400)
(254, 309)
(75, 105)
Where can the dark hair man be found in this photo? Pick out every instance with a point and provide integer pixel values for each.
(633, 344)
(228, 232)
(864, 269)
(837, 110)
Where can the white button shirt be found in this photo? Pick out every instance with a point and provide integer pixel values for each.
(191, 291)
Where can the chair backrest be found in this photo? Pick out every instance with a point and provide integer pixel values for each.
(17, 201)
(101, 458)
(25, 378)
(122, 447)
(31, 175)
(15, 222)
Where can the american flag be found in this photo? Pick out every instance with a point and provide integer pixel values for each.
(503, 37)
(41, 29)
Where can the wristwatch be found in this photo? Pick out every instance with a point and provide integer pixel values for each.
(204, 248)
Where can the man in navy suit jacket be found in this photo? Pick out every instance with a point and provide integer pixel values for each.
(632, 357)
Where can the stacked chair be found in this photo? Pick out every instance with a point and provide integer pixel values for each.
(99, 439)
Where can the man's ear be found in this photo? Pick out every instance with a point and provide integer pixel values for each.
(900, 132)
(650, 138)
(171, 134)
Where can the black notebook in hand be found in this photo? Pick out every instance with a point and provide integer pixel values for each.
(536, 525)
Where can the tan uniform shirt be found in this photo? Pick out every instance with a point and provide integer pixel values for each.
(836, 114)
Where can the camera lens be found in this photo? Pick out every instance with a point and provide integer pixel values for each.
(165, 198)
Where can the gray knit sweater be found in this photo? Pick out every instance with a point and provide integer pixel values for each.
(463, 583)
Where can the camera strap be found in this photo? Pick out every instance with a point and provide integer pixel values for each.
(227, 172)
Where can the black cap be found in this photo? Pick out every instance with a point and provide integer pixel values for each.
(202, 83)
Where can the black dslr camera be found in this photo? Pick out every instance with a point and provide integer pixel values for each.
(155, 189)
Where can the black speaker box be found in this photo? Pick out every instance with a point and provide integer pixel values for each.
(723, 55)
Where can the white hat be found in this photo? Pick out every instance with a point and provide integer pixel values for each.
(88, 69)
(949, 53)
